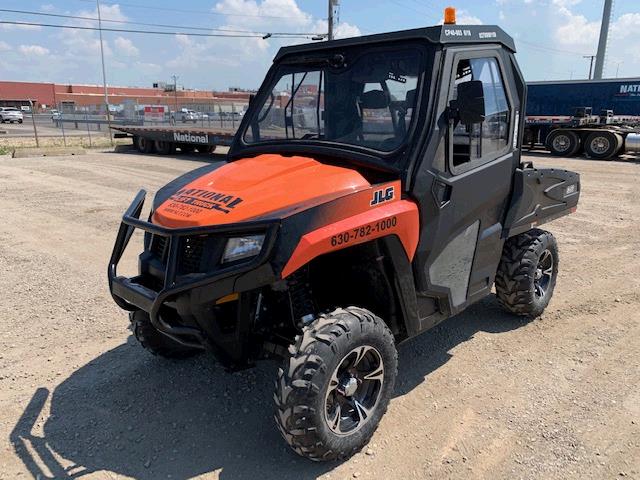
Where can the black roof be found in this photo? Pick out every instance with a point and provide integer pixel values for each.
(440, 34)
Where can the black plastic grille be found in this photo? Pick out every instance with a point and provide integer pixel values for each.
(159, 247)
(196, 253)
(191, 253)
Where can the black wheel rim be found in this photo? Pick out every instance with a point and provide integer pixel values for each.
(354, 390)
(543, 274)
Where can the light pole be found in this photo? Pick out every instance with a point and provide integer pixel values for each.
(175, 93)
(618, 68)
(331, 18)
(590, 63)
(104, 74)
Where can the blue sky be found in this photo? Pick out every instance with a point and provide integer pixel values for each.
(551, 36)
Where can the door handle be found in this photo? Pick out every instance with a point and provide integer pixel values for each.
(441, 193)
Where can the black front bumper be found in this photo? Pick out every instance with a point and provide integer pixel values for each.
(137, 293)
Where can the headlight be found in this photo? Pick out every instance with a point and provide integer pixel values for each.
(242, 247)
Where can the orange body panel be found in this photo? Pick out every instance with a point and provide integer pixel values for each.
(395, 218)
(254, 187)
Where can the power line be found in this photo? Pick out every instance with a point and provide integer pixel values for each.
(184, 27)
(546, 48)
(150, 32)
(182, 10)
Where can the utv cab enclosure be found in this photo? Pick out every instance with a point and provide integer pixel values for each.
(373, 189)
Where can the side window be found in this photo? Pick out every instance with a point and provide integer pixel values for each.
(482, 140)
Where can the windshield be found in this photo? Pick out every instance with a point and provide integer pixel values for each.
(367, 102)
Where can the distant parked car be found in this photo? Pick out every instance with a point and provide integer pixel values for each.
(10, 115)
(185, 115)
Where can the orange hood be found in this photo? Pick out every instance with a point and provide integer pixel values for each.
(254, 187)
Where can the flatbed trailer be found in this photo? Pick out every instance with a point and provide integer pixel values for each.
(600, 137)
(165, 140)
(559, 117)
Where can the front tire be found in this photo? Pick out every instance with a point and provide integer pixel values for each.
(336, 384)
(527, 272)
(155, 342)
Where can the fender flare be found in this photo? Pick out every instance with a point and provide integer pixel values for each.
(398, 218)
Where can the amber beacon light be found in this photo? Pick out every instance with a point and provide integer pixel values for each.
(449, 16)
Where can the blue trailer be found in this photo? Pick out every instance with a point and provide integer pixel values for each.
(598, 117)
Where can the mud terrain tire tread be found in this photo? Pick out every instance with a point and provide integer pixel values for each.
(514, 278)
(300, 384)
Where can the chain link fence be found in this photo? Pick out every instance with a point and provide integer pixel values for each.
(69, 124)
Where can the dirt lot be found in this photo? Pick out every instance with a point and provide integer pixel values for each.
(484, 395)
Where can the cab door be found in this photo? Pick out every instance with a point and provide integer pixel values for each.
(463, 186)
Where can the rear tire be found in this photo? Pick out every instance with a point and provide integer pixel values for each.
(165, 148)
(602, 145)
(186, 147)
(335, 386)
(205, 149)
(143, 145)
(527, 273)
(155, 342)
(563, 143)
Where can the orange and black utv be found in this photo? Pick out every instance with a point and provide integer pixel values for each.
(373, 189)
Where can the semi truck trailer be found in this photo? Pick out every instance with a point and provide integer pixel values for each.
(600, 118)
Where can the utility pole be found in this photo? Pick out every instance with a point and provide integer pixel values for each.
(590, 63)
(618, 68)
(104, 74)
(175, 91)
(331, 19)
(602, 42)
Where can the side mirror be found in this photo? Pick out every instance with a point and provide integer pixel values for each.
(469, 106)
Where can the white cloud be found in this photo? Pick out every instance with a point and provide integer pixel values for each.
(33, 50)
(465, 18)
(84, 45)
(126, 47)
(47, 7)
(252, 13)
(107, 12)
(342, 29)
(4, 46)
(577, 33)
(247, 59)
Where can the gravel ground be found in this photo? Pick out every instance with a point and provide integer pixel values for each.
(484, 395)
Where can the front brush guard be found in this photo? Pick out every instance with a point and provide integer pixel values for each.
(131, 294)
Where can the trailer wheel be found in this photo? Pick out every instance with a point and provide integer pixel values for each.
(527, 272)
(144, 145)
(165, 148)
(335, 385)
(205, 148)
(602, 145)
(563, 143)
(186, 147)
